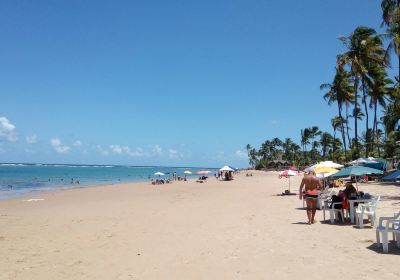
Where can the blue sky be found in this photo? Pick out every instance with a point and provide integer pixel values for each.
(165, 82)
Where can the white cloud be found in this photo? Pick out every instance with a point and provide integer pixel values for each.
(241, 154)
(58, 146)
(174, 154)
(157, 150)
(7, 130)
(31, 139)
(116, 149)
(125, 150)
(77, 143)
(102, 151)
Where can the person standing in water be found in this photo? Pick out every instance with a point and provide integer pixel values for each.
(311, 186)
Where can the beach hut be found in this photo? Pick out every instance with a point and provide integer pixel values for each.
(277, 164)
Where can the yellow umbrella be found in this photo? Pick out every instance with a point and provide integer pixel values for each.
(324, 169)
(187, 172)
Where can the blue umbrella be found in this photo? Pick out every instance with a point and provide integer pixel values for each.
(392, 176)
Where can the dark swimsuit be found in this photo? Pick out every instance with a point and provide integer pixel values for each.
(311, 194)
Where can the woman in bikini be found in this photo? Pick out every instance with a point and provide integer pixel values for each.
(311, 186)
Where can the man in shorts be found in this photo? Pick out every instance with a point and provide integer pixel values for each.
(312, 184)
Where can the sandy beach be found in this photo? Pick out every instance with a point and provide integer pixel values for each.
(186, 230)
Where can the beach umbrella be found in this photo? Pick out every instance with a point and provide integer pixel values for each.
(363, 161)
(392, 176)
(226, 168)
(187, 172)
(327, 163)
(287, 174)
(356, 170)
(159, 174)
(203, 172)
(323, 172)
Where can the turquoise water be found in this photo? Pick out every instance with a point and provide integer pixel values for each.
(21, 179)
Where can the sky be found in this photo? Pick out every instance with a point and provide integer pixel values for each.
(176, 83)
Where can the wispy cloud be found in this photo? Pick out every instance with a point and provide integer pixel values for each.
(157, 150)
(7, 130)
(103, 152)
(241, 154)
(172, 153)
(125, 150)
(58, 146)
(31, 139)
(77, 143)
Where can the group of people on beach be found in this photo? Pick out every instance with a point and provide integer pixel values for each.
(225, 175)
(312, 186)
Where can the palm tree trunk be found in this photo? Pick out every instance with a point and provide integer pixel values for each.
(347, 126)
(342, 130)
(334, 139)
(374, 128)
(356, 115)
(364, 100)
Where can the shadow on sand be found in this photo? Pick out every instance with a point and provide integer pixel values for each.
(393, 250)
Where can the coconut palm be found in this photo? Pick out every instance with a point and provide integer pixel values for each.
(363, 48)
(252, 153)
(305, 140)
(336, 123)
(393, 35)
(341, 92)
(326, 142)
(389, 7)
(380, 89)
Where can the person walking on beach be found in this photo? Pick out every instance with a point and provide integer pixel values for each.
(311, 186)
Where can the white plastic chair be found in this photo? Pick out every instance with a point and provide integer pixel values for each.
(324, 196)
(334, 213)
(368, 209)
(392, 225)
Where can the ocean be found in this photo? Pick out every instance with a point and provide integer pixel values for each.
(21, 179)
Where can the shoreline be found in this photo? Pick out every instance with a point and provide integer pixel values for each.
(19, 181)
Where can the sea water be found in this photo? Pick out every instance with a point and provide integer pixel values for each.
(18, 179)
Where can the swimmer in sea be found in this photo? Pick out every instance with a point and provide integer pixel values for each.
(311, 186)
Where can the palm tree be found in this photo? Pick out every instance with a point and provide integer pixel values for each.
(288, 149)
(341, 92)
(305, 140)
(252, 153)
(314, 132)
(389, 7)
(363, 48)
(326, 142)
(390, 16)
(380, 89)
(391, 116)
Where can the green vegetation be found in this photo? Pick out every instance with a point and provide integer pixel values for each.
(360, 89)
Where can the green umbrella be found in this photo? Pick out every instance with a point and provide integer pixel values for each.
(356, 170)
